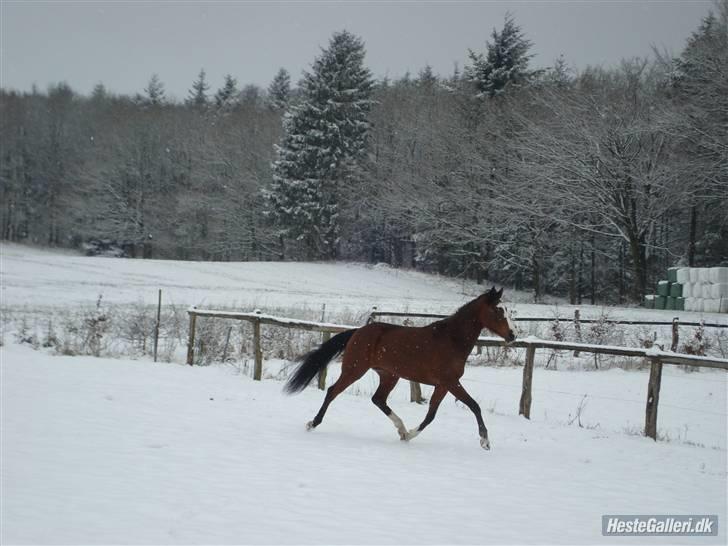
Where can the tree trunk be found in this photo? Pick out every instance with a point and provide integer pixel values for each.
(637, 252)
(536, 266)
(572, 272)
(593, 275)
(691, 236)
(621, 273)
(580, 276)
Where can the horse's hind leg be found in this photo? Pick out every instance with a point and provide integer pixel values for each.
(387, 381)
(347, 377)
(461, 394)
(437, 395)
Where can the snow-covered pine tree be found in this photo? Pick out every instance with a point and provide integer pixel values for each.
(427, 78)
(155, 91)
(226, 96)
(505, 62)
(279, 90)
(324, 142)
(198, 94)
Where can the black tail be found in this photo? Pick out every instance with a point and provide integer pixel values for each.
(316, 360)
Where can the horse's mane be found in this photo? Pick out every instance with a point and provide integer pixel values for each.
(463, 310)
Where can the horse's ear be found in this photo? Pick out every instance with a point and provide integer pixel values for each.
(492, 296)
(499, 294)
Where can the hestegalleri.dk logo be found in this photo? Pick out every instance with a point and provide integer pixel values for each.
(659, 525)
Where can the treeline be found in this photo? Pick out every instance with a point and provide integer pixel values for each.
(586, 184)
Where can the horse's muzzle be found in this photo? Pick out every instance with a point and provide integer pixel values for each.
(511, 337)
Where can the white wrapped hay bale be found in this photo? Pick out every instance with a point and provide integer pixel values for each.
(698, 305)
(694, 275)
(718, 291)
(718, 275)
(687, 290)
(706, 291)
(688, 304)
(683, 275)
(723, 305)
(704, 273)
(711, 305)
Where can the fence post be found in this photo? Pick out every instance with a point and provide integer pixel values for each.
(156, 327)
(227, 344)
(258, 352)
(577, 328)
(371, 315)
(525, 406)
(416, 393)
(653, 397)
(322, 372)
(191, 338)
(675, 334)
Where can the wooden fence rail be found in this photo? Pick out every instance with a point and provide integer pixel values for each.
(576, 319)
(257, 319)
(656, 358)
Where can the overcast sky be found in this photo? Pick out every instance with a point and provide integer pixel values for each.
(123, 43)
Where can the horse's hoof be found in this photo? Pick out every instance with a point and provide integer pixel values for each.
(310, 425)
(403, 436)
(485, 443)
(411, 434)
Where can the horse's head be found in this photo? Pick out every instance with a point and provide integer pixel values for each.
(494, 317)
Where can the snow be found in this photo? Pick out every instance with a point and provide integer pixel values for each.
(98, 451)
(113, 451)
(38, 278)
(34, 277)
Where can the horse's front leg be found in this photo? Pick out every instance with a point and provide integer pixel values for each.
(461, 394)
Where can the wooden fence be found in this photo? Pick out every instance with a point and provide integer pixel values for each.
(258, 319)
(576, 318)
(656, 358)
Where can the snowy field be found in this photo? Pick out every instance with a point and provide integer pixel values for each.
(39, 278)
(100, 451)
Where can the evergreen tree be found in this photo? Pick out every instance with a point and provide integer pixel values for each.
(279, 91)
(505, 63)
(226, 96)
(198, 93)
(99, 93)
(560, 75)
(323, 146)
(700, 87)
(155, 91)
(426, 78)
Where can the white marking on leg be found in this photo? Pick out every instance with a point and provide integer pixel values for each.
(399, 425)
(412, 434)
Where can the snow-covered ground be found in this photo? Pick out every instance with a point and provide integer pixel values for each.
(39, 278)
(36, 277)
(98, 451)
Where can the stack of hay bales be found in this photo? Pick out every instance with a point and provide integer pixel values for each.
(704, 289)
(701, 289)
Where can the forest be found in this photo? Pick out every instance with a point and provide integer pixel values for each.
(583, 184)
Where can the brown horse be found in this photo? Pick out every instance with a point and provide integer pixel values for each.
(434, 355)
